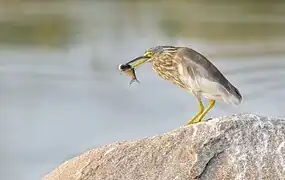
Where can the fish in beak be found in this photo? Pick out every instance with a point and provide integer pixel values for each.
(129, 67)
(128, 70)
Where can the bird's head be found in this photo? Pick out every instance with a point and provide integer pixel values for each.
(150, 55)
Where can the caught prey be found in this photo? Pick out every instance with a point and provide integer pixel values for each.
(128, 70)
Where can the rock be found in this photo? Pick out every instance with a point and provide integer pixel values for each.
(240, 147)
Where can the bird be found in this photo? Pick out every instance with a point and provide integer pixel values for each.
(192, 71)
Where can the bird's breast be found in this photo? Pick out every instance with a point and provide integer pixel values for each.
(168, 72)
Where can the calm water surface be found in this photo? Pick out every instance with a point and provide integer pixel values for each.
(61, 93)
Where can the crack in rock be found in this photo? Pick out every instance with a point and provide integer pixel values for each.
(207, 164)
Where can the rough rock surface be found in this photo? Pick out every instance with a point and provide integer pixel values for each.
(240, 147)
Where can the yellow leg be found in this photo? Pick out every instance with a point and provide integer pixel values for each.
(200, 112)
(211, 104)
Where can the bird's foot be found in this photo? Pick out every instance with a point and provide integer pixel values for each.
(194, 121)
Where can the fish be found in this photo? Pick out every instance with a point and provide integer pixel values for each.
(128, 70)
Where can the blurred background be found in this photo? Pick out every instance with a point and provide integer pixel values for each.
(61, 93)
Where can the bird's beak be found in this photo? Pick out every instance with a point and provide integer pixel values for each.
(138, 61)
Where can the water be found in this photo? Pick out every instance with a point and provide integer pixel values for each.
(61, 93)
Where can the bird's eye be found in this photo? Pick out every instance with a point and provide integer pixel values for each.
(148, 54)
